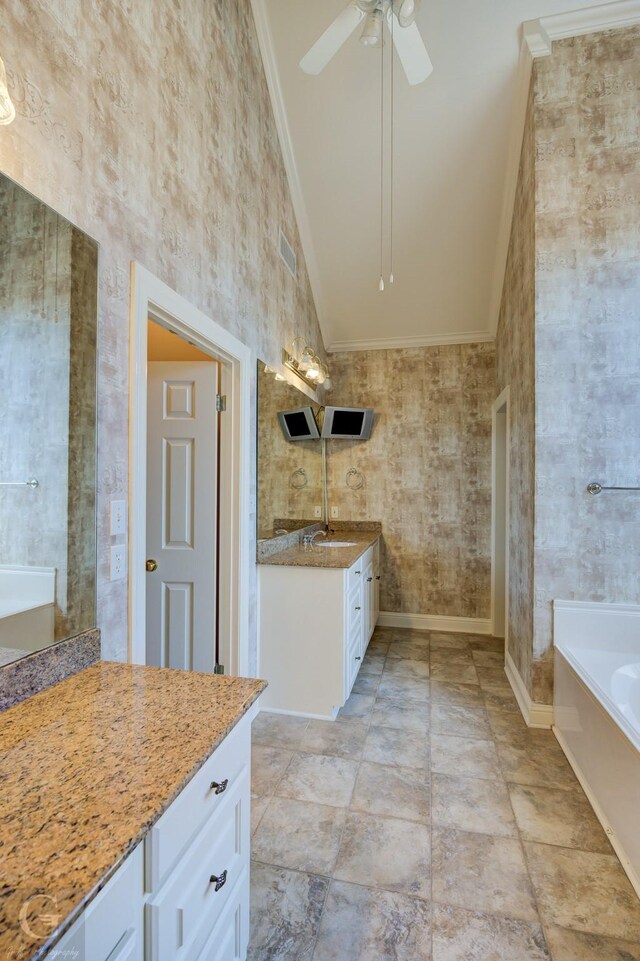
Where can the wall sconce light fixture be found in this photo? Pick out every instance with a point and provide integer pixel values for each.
(7, 110)
(306, 364)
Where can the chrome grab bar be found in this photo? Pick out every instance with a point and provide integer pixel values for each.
(32, 483)
(595, 488)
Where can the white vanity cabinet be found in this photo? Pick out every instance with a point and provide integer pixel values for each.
(315, 625)
(183, 893)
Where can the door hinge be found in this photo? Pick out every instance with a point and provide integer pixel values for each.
(218, 669)
(221, 402)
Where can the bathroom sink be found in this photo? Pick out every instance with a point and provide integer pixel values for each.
(334, 544)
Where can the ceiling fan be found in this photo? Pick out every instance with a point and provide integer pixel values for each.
(400, 16)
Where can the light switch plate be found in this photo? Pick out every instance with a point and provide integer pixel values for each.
(317, 512)
(118, 562)
(118, 517)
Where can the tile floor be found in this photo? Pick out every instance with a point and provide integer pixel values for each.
(429, 824)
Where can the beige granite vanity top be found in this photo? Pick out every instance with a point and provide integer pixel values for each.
(86, 768)
(326, 557)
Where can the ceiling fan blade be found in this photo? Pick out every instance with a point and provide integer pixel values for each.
(332, 39)
(411, 50)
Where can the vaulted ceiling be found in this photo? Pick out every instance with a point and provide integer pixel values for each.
(455, 160)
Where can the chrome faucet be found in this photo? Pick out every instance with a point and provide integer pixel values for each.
(309, 539)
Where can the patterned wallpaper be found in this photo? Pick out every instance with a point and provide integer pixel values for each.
(426, 469)
(578, 213)
(149, 125)
(515, 369)
(587, 327)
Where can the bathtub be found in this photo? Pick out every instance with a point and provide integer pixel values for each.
(597, 714)
(27, 608)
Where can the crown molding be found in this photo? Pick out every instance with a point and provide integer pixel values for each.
(423, 340)
(267, 50)
(536, 41)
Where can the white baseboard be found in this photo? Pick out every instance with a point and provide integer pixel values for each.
(599, 813)
(535, 715)
(435, 622)
(312, 717)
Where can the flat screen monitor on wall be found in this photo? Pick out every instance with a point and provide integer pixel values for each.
(348, 423)
(298, 424)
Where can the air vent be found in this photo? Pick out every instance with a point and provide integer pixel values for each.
(287, 254)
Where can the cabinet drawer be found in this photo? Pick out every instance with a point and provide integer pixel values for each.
(199, 801)
(111, 927)
(229, 939)
(180, 917)
(354, 611)
(354, 575)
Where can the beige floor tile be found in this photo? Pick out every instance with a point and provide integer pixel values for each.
(388, 745)
(258, 807)
(482, 658)
(440, 639)
(358, 705)
(366, 684)
(506, 725)
(462, 672)
(408, 650)
(400, 792)
(484, 642)
(534, 758)
(585, 891)
(460, 720)
(467, 757)
(343, 737)
(500, 701)
(456, 693)
(407, 667)
(405, 715)
(268, 764)
(385, 853)
(285, 913)
(372, 664)
(493, 679)
(472, 804)
(362, 924)
(460, 935)
(481, 873)
(378, 646)
(409, 688)
(573, 946)
(316, 777)
(554, 816)
(278, 730)
(299, 835)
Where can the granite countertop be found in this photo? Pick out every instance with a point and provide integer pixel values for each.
(87, 767)
(326, 557)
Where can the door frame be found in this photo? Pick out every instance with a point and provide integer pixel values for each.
(152, 299)
(501, 404)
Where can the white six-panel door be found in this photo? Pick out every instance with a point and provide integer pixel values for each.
(182, 451)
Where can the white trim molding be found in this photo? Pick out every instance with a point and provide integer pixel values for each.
(536, 41)
(421, 340)
(435, 622)
(535, 715)
(151, 299)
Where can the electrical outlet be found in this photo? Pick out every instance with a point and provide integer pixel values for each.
(118, 517)
(334, 513)
(317, 512)
(118, 562)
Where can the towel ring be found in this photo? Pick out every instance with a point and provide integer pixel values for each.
(355, 479)
(298, 479)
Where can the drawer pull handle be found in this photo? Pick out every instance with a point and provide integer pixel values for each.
(369, 579)
(220, 787)
(356, 608)
(219, 880)
(357, 572)
(358, 658)
(377, 577)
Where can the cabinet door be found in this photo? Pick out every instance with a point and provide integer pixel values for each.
(368, 601)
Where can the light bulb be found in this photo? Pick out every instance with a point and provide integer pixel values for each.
(381, 285)
(308, 360)
(7, 110)
(391, 277)
(280, 377)
(313, 373)
(372, 33)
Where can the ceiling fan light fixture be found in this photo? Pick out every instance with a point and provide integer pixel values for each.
(372, 33)
(406, 11)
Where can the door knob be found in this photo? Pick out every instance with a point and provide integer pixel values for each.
(151, 566)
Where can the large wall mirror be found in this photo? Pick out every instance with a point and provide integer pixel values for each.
(48, 321)
(291, 465)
